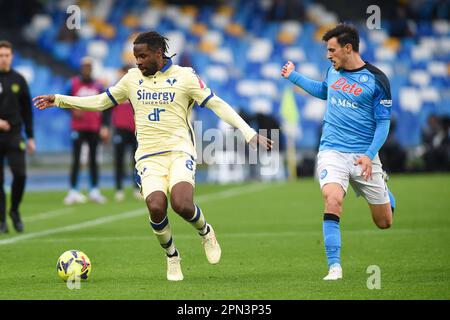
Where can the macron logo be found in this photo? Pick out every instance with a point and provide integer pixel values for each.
(341, 84)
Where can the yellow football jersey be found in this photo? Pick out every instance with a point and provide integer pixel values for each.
(162, 106)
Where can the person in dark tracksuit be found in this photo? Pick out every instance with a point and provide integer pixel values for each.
(15, 114)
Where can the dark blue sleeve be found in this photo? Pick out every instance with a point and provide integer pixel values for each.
(382, 103)
(316, 88)
(381, 133)
(382, 100)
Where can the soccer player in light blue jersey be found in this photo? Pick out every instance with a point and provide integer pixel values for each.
(355, 127)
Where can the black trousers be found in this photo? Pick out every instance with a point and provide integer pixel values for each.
(92, 139)
(12, 148)
(123, 139)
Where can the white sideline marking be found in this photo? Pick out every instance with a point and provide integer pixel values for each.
(134, 213)
(49, 214)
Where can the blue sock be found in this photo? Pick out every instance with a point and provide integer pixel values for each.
(332, 238)
(392, 200)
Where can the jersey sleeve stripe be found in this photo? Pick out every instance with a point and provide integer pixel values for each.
(111, 97)
(203, 104)
(152, 154)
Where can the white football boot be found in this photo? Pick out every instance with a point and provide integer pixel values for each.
(119, 196)
(211, 246)
(334, 273)
(74, 196)
(96, 196)
(174, 272)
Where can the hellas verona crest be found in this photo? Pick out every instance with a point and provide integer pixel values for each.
(171, 81)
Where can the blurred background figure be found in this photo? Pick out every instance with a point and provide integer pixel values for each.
(392, 154)
(15, 115)
(86, 127)
(124, 140)
(402, 23)
(436, 143)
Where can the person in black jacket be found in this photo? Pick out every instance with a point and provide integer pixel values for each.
(15, 112)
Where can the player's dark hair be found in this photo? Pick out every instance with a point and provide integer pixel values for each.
(153, 40)
(6, 44)
(344, 33)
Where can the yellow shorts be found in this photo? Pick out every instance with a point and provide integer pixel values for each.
(161, 172)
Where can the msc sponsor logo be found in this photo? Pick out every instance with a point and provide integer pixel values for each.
(343, 103)
(150, 97)
(342, 84)
(155, 115)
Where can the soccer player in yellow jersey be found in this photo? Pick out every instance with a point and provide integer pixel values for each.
(162, 95)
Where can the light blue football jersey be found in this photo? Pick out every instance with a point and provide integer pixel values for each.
(356, 99)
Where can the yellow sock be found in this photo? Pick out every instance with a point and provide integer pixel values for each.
(198, 221)
(164, 235)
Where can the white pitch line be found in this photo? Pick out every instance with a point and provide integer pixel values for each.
(299, 233)
(134, 213)
(180, 236)
(73, 227)
(49, 214)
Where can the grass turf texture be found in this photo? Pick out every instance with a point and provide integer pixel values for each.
(271, 238)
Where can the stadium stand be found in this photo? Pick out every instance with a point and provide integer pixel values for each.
(214, 40)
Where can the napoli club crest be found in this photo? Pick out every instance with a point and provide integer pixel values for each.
(363, 78)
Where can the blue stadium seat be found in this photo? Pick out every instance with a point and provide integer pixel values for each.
(251, 16)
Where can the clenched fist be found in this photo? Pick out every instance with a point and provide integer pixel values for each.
(287, 69)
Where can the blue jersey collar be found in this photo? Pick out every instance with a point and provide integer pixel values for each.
(166, 66)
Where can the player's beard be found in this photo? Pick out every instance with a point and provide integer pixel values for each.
(150, 70)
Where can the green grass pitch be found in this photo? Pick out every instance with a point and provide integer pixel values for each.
(271, 238)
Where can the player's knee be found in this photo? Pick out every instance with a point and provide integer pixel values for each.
(157, 209)
(183, 207)
(333, 204)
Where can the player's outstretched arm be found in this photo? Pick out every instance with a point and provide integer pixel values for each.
(225, 112)
(97, 102)
(262, 141)
(315, 88)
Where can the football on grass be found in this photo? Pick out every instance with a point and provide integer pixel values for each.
(73, 264)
